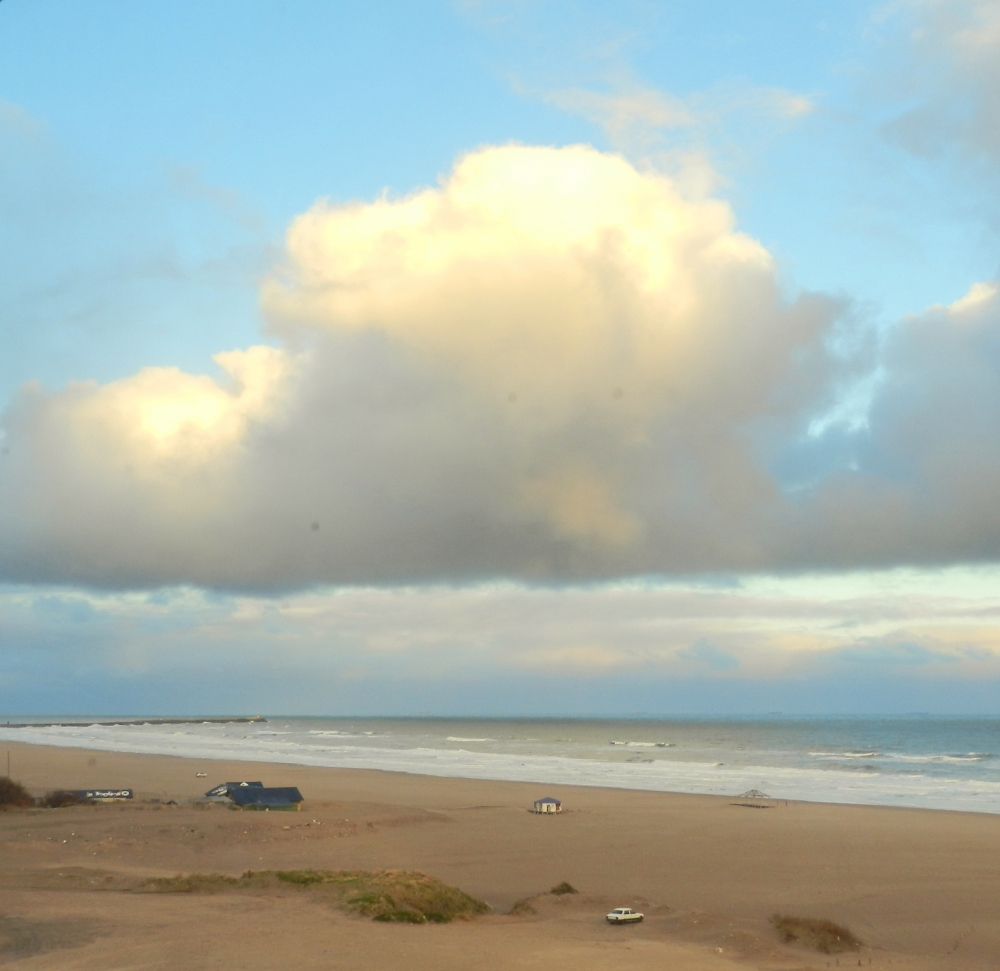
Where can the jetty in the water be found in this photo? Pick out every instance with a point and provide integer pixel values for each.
(139, 721)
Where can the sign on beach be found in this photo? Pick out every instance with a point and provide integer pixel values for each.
(101, 795)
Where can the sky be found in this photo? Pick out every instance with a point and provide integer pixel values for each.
(500, 358)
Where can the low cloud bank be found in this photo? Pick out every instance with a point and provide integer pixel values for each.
(552, 367)
(892, 641)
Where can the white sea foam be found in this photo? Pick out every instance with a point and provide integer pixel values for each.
(458, 738)
(675, 775)
(900, 757)
(844, 755)
(970, 757)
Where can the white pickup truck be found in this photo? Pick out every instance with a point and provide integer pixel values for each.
(622, 915)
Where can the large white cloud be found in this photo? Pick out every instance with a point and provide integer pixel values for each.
(549, 366)
(553, 366)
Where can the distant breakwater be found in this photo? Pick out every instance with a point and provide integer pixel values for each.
(140, 721)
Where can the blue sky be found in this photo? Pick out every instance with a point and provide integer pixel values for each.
(748, 329)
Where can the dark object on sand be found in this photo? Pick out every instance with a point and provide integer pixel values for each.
(258, 797)
(13, 794)
(821, 935)
(223, 790)
(564, 887)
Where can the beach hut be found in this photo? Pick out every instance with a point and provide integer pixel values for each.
(753, 794)
(548, 805)
(260, 797)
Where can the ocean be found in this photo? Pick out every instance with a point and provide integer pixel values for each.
(936, 763)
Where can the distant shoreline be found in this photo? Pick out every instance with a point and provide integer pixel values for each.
(244, 720)
(453, 758)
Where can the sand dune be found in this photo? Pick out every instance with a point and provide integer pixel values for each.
(920, 888)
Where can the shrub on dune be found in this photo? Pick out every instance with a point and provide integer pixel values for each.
(13, 795)
(564, 887)
(60, 799)
(821, 935)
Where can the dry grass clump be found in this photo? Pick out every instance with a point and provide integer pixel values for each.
(13, 795)
(193, 883)
(821, 935)
(60, 799)
(522, 908)
(564, 887)
(396, 896)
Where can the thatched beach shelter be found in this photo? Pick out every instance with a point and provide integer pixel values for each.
(547, 804)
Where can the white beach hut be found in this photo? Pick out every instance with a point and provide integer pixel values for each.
(548, 805)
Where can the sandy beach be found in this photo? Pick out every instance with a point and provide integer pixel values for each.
(919, 888)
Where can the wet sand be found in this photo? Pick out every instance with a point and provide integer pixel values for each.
(920, 888)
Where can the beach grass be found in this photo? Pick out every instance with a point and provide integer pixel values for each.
(561, 888)
(523, 907)
(192, 883)
(61, 799)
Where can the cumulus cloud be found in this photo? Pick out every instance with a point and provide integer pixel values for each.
(926, 473)
(553, 366)
(546, 367)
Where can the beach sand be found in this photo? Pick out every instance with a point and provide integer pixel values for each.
(920, 888)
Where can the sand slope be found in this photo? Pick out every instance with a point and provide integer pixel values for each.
(920, 888)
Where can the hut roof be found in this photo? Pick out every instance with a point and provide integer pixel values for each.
(548, 799)
(224, 788)
(271, 798)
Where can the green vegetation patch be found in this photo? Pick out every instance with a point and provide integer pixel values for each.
(391, 896)
(400, 917)
(301, 878)
(820, 935)
(386, 894)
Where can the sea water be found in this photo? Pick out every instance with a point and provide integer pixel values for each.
(939, 763)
